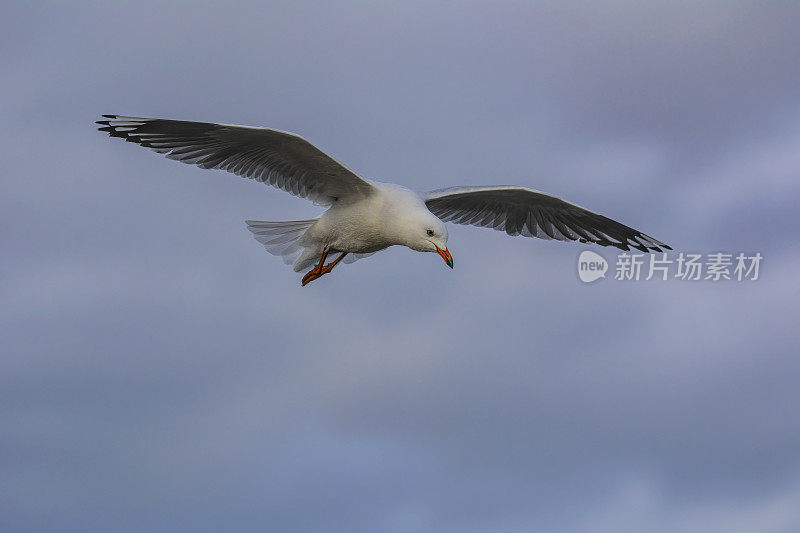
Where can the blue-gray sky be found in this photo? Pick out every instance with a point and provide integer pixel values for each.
(159, 370)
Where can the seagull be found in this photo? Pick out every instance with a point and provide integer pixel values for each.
(363, 216)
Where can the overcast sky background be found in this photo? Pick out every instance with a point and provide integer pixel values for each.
(160, 371)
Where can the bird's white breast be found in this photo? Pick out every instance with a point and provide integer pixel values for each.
(371, 224)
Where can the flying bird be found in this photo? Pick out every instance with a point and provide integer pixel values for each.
(363, 216)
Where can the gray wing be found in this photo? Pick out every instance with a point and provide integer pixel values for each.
(280, 159)
(522, 211)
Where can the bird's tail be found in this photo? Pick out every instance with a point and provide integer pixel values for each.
(281, 238)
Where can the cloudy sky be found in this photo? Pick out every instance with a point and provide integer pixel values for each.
(160, 371)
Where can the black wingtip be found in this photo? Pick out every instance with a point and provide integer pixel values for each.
(106, 123)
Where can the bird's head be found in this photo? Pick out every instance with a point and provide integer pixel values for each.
(426, 233)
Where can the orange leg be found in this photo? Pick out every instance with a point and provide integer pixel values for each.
(320, 269)
(327, 268)
(316, 272)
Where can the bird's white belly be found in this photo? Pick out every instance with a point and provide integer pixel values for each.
(350, 230)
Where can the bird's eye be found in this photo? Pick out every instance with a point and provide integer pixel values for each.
(430, 233)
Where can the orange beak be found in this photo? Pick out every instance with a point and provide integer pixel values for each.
(445, 255)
